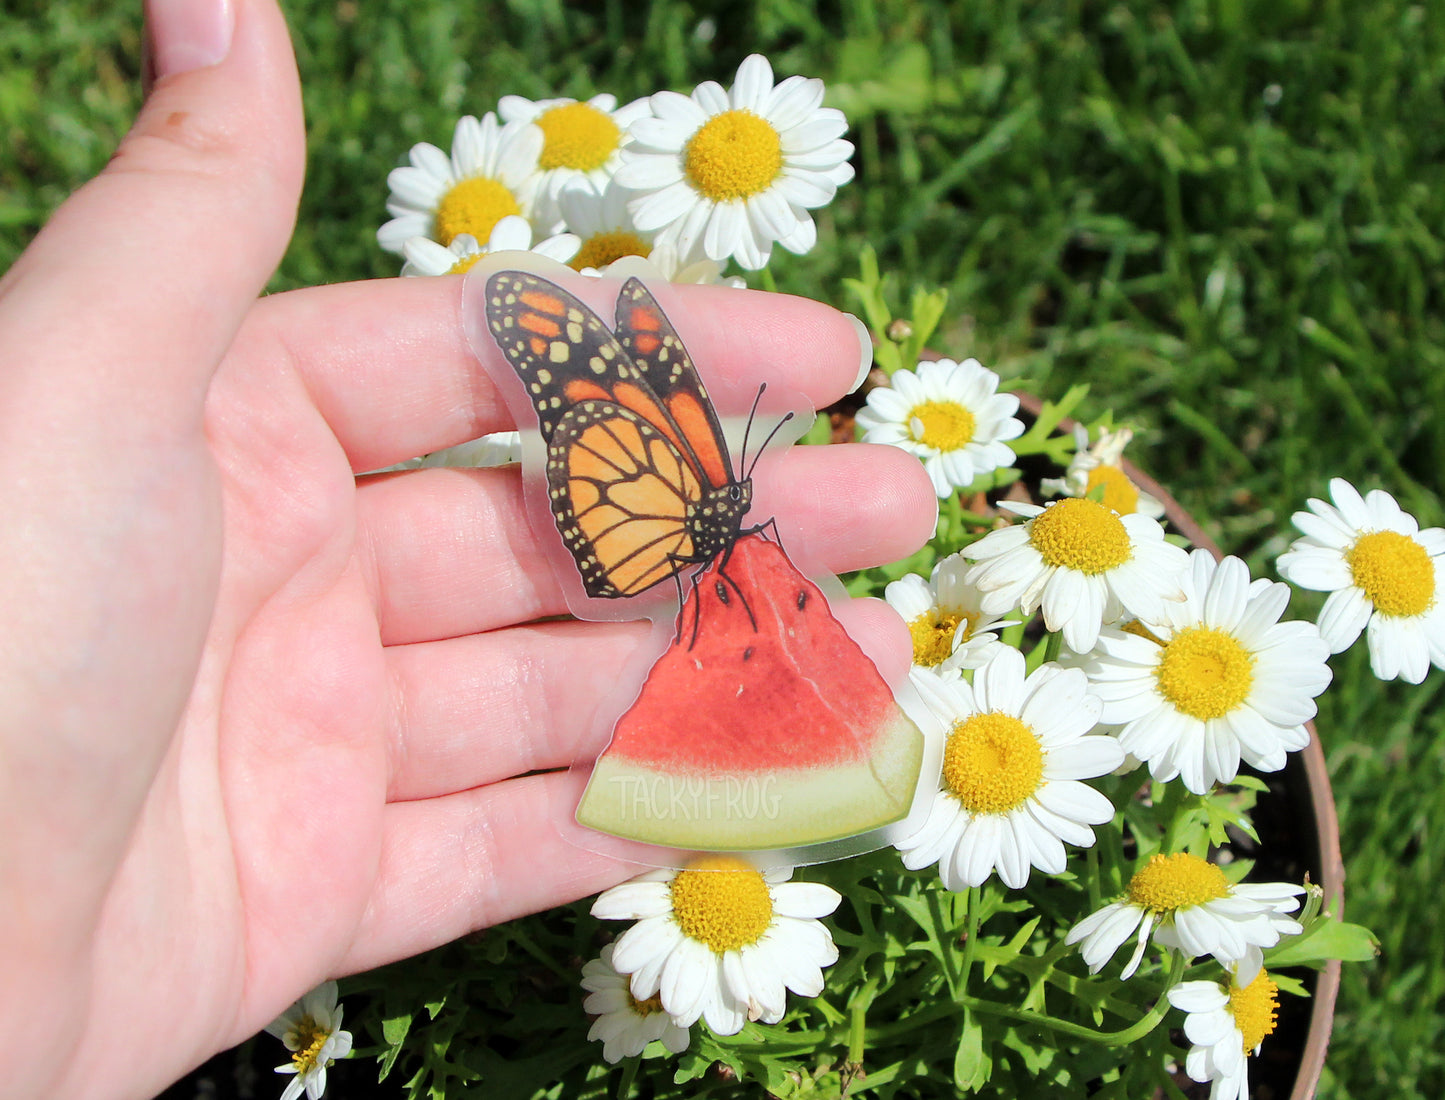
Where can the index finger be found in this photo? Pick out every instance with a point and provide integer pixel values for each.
(388, 365)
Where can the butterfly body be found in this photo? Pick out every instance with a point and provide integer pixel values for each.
(639, 479)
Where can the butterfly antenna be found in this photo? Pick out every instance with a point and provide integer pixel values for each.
(749, 427)
(776, 428)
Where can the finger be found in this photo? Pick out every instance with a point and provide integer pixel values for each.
(479, 857)
(476, 710)
(389, 365)
(451, 552)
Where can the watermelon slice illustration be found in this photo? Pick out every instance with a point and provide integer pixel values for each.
(763, 726)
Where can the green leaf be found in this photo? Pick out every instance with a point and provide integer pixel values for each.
(821, 430)
(970, 1063)
(1324, 939)
(690, 1066)
(927, 308)
(395, 1028)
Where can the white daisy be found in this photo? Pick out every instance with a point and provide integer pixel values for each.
(662, 263)
(1098, 469)
(721, 941)
(1083, 563)
(496, 449)
(613, 245)
(1217, 679)
(492, 172)
(511, 234)
(950, 415)
(1382, 573)
(603, 226)
(625, 1025)
(734, 171)
(311, 1030)
(1226, 1024)
(1010, 794)
(581, 143)
(949, 629)
(1189, 905)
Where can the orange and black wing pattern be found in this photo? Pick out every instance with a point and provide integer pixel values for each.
(655, 348)
(639, 480)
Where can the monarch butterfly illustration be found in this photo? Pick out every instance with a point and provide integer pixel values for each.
(638, 474)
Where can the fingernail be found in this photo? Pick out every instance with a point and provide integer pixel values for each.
(188, 34)
(865, 350)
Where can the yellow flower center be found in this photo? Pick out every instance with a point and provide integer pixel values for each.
(933, 636)
(1137, 628)
(310, 1038)
(733, 155)
(601, 249)
(1253, 1007)
(1394, 571)
(1205, 672)
(723, 902)
(647, 1007)
(577, 135)
(1082, 535)
(1119, 492)
(465, 264)
(992, 763)
(473, 205)
(942, 425)
(1180, 881)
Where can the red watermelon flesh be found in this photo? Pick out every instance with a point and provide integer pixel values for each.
(764, 730)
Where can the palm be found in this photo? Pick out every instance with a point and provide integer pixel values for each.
(345, 767)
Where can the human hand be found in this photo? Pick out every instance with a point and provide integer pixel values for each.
(266, 722)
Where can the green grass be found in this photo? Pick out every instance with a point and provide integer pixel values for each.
(1227, 217)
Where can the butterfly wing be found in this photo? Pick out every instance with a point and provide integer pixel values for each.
(621, 496)
(624, 483)
(655, 348)
(657, 351)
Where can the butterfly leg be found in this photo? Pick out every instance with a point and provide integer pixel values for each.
(768, 529)
(683, 601)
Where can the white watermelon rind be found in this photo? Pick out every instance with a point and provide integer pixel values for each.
(756, 810)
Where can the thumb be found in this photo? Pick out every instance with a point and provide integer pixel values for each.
(111, 325)
(136, 286)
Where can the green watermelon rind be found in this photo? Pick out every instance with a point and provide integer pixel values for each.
(741, 810)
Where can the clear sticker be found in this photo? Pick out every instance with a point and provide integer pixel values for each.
(752, 721)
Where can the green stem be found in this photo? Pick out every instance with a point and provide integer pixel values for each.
(526, 943)
(1166, 1083)
(974, 519)
(1172, 808)
(1053, 646)
(796, 1042)
(1133, 1033)
(1091, 854)
(769, 283)
(945, 944)
(629, 1075)
(858, 1020)
(950, 523)
(970, 944)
